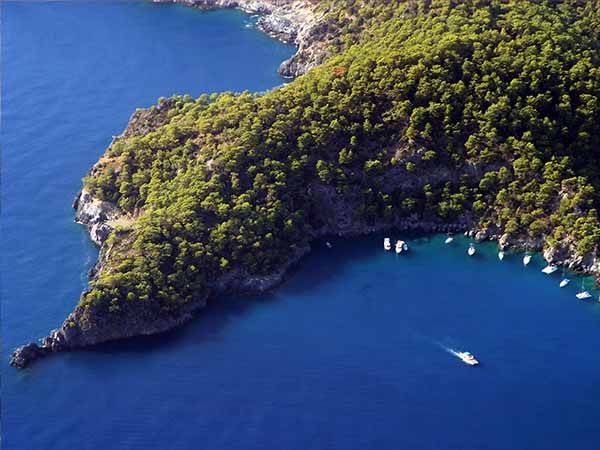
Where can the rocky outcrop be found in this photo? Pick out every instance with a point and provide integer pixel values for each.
(26, 354)
(95, 214)
(291, 21)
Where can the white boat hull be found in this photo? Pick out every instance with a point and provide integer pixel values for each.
(548, 270)
(470, 363)
(401, 246)
(584, 295)
(526, 260)
(387, 245)
(564, 282)
(470, 360)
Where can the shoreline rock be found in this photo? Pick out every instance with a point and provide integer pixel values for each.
(340, 221)
(69, 337)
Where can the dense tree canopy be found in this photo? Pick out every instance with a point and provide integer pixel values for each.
(492, 106)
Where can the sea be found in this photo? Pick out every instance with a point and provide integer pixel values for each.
(355, 351)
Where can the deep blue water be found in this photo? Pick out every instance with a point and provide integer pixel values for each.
(350, 353)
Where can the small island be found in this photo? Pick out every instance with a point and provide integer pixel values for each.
(476, 117)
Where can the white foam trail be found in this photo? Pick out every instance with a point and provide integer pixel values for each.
(435, 342)
(448, 349)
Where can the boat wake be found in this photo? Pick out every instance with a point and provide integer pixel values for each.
(449, 350)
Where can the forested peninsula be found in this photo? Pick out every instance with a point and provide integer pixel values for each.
(432, 115)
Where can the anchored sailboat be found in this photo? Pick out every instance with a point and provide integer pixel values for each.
(565, 281)
(471, 250)
(583, 294)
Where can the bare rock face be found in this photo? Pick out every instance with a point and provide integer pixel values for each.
(95, 214)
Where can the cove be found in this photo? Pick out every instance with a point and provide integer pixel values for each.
(350, 353)
(73, 72)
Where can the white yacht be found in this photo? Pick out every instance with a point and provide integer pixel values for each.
(328, 244)
(401, 246)
(500, 255)
(549, 269)
(387, 245)
(526, 260)
(471, 250)
(467, 358)
(564, 281)
(583, 294)
(448, 240)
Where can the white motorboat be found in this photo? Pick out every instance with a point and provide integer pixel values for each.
(471, 251)
(564, 281)
(328, 244)
(500, 255)
(467, 358)
(448, 240)
(387, 245)
(401, 246)
(549, 269)
(526, 260)
(583, 295)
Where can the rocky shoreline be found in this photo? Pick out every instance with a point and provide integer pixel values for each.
(291, 21)
(96, 216)
(99, 218)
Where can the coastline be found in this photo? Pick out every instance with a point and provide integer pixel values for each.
(100, 217)
(96, 216)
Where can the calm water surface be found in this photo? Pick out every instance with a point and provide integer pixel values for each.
(351, 352)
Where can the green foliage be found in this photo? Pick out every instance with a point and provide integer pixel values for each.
(481, 110)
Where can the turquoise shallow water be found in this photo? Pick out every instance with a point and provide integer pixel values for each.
(350, 353)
